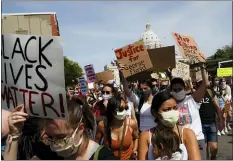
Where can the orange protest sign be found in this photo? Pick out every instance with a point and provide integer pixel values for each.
(188, 48)
(134, 57)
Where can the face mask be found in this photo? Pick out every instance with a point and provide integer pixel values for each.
(223, 85)
(67, 147)
(147, 93)
(121, 115)
(216, 82)
(170, 118)
(179, 96)
(163, 88)
(107, 96)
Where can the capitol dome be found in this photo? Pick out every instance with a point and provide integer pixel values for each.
(150, 39)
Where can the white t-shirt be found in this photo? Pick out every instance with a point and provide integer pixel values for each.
(190, 117)
(135, 100)
(129, 111)
(147, 120)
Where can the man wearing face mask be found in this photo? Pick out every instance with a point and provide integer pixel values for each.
(155, 86)
(163, 85)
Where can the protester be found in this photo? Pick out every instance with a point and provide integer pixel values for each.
(166, 145)
(100, 107)
(226, 93)
(68, 138)
(119, 132)
(155, 88)
(165, 111)
(189, 107)
(208, 111)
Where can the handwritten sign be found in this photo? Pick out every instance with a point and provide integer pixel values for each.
(224, 72)
(90, 73)
(33, 74)
(181, 70)
(105, 76)
(135, 58)
(83, 86)
(188, 48)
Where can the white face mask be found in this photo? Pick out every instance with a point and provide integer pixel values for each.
(178, 96)
(107, 96)
(170, 118)
(67, 149)
(121, 115)
(223, 85)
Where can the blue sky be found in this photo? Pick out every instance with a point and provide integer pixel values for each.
(90, 30)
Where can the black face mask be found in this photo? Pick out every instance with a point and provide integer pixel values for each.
(163, 87)
(146, 93)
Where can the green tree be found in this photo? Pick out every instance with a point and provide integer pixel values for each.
(224, 53)
(72, 71)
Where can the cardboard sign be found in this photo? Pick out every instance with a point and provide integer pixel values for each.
(224, 72)
(135, 58)
(181, 70)
(90, 73)
(105, 76)
(188, 48)
(33, 74)
(196, 76)
(83, 86)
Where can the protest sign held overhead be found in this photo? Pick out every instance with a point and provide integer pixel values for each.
(90, 73)
(83, 86)
(33, 74)
(105, 76)
(134, 57)
(188, 48)
(224, 72)
(181, 70)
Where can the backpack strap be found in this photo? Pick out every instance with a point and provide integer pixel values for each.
(96, 155)
(210, 93)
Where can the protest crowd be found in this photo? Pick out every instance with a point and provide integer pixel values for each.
(162, 118)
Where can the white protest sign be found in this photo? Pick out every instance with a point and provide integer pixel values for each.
(83, 86)
(33, 74)
(90, 73)
(181, 71)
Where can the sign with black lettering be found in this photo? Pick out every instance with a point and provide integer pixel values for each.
(181, 71)
(33, 74)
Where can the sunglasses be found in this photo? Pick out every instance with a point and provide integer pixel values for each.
(106, 92)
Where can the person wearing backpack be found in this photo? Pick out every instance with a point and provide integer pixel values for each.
(208, 111)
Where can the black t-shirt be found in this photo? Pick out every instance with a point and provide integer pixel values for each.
(105, 154)
(207, 110)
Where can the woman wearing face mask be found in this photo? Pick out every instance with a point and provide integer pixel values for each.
(119, 132)
(146, 118)
(100, 107)
(165, 111)
(226, 94)
(68, 138)
(189, 106)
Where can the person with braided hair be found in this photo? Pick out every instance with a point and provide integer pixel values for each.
(120, 133)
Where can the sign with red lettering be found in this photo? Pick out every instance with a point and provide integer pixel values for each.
(33, 74)
(188, 48)
(134, 57)
(90, 73)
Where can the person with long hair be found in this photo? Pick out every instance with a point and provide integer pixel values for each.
(69, 139)
(119, 132)
(165, 111)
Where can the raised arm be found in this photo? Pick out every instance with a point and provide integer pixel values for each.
(200, 92)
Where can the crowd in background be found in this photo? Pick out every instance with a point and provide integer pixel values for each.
(168, 119)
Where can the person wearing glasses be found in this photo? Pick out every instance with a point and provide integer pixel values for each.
(99, 108)
(120, 133)
(69, 139)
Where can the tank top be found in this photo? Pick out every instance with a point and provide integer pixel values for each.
(182, 147)
(147, 120)
(127, 148)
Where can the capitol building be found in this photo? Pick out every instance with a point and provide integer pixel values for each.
(151, 41)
